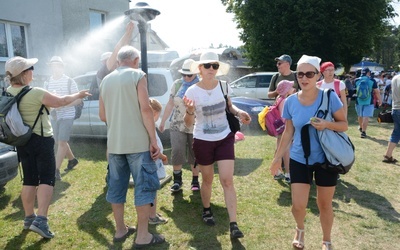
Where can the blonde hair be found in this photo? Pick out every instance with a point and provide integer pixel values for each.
(16, 80)
(155, 105)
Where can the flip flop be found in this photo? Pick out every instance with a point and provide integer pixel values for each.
(131, 230)
(157, 239)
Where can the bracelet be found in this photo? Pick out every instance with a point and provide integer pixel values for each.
(187, 112)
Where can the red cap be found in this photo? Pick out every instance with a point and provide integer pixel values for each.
(326, 65)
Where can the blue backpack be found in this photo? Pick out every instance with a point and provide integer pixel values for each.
(364, 90)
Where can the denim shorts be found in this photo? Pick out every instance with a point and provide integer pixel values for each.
(144, 172)
(182, 150)
(62, 129)
(365, 110)
(395, 137)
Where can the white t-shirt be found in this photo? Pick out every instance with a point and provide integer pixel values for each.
(331, 85)
(210, 123)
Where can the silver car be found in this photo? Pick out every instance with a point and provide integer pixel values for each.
(254, 85)
(89, 124)
(8, 164)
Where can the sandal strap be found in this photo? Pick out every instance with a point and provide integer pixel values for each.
(328, 244)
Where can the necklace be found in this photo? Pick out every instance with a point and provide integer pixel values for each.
(208, 89)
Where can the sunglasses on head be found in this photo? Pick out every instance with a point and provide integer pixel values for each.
(30, 68)
(184, 75)
(208, 65)
(308, 74)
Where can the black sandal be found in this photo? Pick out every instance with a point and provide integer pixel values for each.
(387, 159)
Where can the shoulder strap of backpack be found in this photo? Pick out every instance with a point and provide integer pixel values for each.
(69, 85)
(336, 84)
(178, 85)
(305, 141)
(323, 108)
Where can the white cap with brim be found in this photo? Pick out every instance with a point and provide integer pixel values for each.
(210, 57)
(313, 60)
(14, 66)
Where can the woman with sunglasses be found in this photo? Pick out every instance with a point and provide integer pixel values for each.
(37, 156)
(213, 140)
(299, 110)
(181, 136)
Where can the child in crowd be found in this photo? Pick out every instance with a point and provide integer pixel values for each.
(155, 218)
(284, 89)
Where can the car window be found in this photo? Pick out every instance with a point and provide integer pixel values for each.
(264, 81)
(157, 85)
(88, 82)
(247, 82)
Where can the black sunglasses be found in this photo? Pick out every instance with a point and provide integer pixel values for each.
(30, 68)
(308, 74)
(184, 75)
(208, 65)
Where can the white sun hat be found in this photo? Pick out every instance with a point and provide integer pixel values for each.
(186, 67)
(56, 60)
(313, 60)
(210, 57)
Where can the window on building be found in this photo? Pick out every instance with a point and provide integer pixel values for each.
(97, 19)
(12, 40)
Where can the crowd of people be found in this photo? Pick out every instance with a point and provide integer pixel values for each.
(200, 135)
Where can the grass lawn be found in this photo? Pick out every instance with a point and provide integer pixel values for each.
(366, 203)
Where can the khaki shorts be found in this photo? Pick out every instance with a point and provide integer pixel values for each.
(182, 148)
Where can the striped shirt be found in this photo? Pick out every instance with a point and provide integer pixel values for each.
(60, 88)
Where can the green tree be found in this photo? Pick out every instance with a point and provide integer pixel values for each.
(337, 30)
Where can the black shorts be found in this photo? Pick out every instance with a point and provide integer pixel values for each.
(38, 161)
(300, 173)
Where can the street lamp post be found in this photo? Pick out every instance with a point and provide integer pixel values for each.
(142, 13)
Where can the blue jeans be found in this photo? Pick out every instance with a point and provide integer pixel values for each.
(395, 137)
(144, 173)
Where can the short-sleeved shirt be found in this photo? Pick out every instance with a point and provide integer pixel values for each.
(29, 108)
(300, 116)
(177, 122)
(62, 87)
(279, 77)
(126, 133)
(331, 85)
(210, 123)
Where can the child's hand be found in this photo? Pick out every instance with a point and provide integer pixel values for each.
(164, 159)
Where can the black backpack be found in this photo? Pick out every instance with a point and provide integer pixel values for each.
(13, 130)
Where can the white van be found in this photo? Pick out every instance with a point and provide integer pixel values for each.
(89, 124)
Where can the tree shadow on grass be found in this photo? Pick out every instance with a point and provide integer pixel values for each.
(96, 218)
(18, 241)
(379, 141)
(244, 167)
(4, 199)
(19, 214)
(346, 192)
(203, 236)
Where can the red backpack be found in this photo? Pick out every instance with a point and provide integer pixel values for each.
(273, 120)
(336, 84)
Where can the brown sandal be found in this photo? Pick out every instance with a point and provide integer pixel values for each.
(388, 159)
